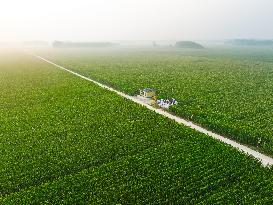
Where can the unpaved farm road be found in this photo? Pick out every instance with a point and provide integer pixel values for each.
(265, 160)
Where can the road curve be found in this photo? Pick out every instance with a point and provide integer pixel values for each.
(265, 160)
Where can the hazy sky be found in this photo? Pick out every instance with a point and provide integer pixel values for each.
(135, 19)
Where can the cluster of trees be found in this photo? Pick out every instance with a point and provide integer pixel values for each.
(250, 42)
(180, 44)
(68, 44)
(188, 44)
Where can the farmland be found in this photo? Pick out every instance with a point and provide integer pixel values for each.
(64, 140)
(136, 102)
(227, 90)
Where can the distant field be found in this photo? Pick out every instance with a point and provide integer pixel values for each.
(227, 89)
(64, 140)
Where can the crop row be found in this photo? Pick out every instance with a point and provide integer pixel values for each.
(53, 124)
(230, 96)
(65, 140)
(182, 172)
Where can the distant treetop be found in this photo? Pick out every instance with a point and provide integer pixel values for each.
(250, 42)
(68, 44)
(188, 44)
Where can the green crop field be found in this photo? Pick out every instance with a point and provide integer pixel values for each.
(64, 140)
(226, 89)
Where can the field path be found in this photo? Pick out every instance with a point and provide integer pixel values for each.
(265, 160)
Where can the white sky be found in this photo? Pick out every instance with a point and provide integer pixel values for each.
(135, 19)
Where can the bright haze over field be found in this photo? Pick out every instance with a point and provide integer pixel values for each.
(97, 20)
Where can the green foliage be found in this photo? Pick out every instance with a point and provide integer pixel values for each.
(183, 172)
(53, 124)
(224, 90)
(64, 140)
